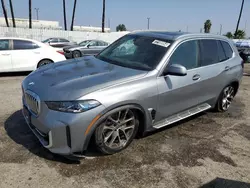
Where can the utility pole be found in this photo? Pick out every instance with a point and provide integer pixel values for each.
(5, 13)
(220, 28)
(148, 22)
(187, 28)
(37, 13)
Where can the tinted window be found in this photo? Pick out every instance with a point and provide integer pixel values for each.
(63, 40)
(187, 54)
(209, 52)
(137, 52)
(54, 40)
(221, 53)
(93, 43)
(4, 45)
(100, 43)
(24, 45)
(227, 48)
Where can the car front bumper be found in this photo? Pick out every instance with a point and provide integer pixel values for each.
(62, 133)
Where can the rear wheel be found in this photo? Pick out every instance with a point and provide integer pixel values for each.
(225, 99)
(44, 62)
(117, 131)
(77, 54)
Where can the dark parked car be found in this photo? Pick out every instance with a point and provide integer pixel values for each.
(58, 42)
(87, 47)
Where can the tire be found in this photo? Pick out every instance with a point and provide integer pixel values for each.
(76, 54)
(44, 62)
(225, 99)
(117, 131)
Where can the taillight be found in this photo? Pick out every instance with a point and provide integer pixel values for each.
(61, 52)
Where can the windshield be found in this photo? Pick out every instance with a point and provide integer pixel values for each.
(134, 51)
(84, 43)
(47, 40)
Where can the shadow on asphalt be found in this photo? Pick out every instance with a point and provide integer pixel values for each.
(225, 183)
(13, 74)
(19, 132)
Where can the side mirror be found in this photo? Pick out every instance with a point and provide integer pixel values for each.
(176, 70)
(88, 45)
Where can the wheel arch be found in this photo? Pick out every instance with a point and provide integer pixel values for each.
(43, 60)
(142, 115)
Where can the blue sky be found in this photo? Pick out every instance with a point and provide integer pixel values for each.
(164, 14)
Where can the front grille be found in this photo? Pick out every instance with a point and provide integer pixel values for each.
(33, 102)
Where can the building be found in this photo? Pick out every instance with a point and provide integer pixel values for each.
(44, 24)
(36, 24)
(90, 29)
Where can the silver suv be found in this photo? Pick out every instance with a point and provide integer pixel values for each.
(142, 82)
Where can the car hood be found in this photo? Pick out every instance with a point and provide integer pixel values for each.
(72, 79)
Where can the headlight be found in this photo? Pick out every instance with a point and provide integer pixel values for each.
(73, 106)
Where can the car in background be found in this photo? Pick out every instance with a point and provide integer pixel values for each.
(87, 47)
(17, 54)
(142, 82)
(58, 42)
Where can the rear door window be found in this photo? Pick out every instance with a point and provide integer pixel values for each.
(221, 52)
(63, 40)
(24, 45)
(228, 50)
(54, 40)
(187, 55)
(209, 52)
(4, 45)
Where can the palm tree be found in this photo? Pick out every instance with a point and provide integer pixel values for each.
(64, 15)
(103, 15)
(238, 23)
(207, 26)
(5, 13)
(12, 13)
(240, 34)
(73, 15)
(30, 14)
(229, 35)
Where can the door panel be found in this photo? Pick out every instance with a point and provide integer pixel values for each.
(5, 56)
(178, 93)
(25, 55)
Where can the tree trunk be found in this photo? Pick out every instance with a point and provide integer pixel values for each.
(5, 13)
(64, 15)
(238, 23)
(73, 16)
(103, 16)
(12, 13)
(30, 14)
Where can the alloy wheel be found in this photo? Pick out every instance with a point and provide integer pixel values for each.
(228, 95)
(118, 129)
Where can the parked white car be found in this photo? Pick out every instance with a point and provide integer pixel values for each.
(17, 54)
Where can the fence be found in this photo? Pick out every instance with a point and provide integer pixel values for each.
(42, 34)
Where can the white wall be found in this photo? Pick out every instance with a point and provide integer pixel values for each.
(42, 34)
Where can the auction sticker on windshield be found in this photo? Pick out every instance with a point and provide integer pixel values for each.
(161, 43)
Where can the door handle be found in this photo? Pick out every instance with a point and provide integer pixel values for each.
(5, 54)
(36, 52)
(196, 77)
(227, 68)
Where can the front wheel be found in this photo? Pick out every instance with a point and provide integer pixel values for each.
(225, 99)
(117, 131)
